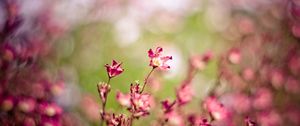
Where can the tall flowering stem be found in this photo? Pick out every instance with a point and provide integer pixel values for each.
(146, 80)
(104, 88)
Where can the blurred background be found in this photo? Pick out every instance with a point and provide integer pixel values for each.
(68, 42)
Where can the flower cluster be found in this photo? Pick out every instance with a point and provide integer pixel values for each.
(27, 90)
(136, 101)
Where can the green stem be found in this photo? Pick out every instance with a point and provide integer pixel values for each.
(146, 80)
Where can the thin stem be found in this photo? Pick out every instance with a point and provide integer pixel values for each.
(131, 120)
(104, 104)
(146, 80)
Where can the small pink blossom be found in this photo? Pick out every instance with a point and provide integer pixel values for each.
(262, 99)
(174, 118)
(140, 104)
(58, 88)
(277, 78)
(116, 120)
(123, 99)
(269, 118)
(250, 122)
(103, 90)
(234, 56)
(7, 103)
(134, 88)
(199, 61)
(185, 94)
(167, 105)
(114, 69)
(157, 60)
(215, 108)
(49, 109)
(292, 85)
(248, 74)
(196, 120)
(26, 105)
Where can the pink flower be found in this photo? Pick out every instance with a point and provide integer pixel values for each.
(123, 99)
(262, 99)
(185, 94)
(248, 74)
(26, 105)
(199, 61)
(140, 104)
(216, 109)
(196, 120)
(250, 122)
(167, 105)
(134, 88)
(269, 118)
(157, 60)
(114, 70)
(116, 120)
(174, 118)
(7, 103)
(103, 90)
(49, 109)
(234, 56)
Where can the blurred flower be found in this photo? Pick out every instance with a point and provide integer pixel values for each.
(250, 122)
(199, 62)
(157, 60)
(167, 105)
(103, 89)
(262, 99)
(116, 120)
(123, 99)
(215, 108)
(292, 85)
(140, 104)
(49, 109)
(7, 103)
(269, 118)
(90, 108)
(114, 69)
(174, 118)
(277, 78)
(248, 74)
(196, 120)
(184, 94)
(234, 56)
(26, 105)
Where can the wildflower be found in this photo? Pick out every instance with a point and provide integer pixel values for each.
(269, 118)
(250, 122)
(157, 60)
(215, 108)
(199, 62)
(114, 69)
(134, 88)
(234, 56)
(262, 99)
(7, 103)
(57, 89)
(195, 120)
(167, 105)
(248, 74)
(123, 99)
(140, 104)
(174, 118)
(116, 120)
(184, 94)
(49, 109)
(26, 105)
(103, 90)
